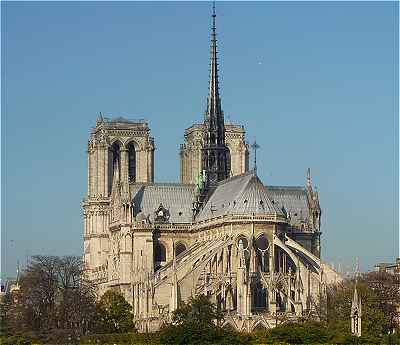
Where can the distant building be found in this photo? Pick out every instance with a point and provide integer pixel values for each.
(392, 268)
(8, 285)
(11, 285)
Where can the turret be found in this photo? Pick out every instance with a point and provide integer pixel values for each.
(355, 313)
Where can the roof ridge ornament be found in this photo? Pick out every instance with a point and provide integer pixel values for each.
(255, 147)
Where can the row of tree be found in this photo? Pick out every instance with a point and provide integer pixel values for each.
(380, 294)
(56, 302)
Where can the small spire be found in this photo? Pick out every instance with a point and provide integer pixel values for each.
(308, 178)
(355, 297)
(214, 111)
(316, 194)
(355, 314)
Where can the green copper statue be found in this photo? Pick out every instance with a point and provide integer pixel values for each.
(201, 182)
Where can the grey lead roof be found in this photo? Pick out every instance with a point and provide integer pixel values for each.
(239, 195)
(294, 199)
(176, 198)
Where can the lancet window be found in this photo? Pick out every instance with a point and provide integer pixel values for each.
(131, 162)
(262, 246)
(114, 162)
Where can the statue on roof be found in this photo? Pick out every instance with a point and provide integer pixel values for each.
(201, 182)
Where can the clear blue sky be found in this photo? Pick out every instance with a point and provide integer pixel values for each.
(315, 83)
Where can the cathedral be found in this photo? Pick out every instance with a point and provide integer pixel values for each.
(254, 249)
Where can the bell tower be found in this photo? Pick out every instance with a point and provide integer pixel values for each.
(116, 147)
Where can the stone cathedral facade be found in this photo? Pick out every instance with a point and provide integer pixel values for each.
(254, 249)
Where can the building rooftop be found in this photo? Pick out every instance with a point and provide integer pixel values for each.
(240, 194)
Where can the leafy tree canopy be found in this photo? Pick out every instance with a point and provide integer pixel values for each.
(197, 322)
(380, 296)
(115, 312)
(199, 310)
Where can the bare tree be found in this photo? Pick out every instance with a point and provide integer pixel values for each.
(53, 296)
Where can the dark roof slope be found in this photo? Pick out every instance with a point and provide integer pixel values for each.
(293, 199)
(176, 198)
(241, 194)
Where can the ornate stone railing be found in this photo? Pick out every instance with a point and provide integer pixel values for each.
(240, 218)
(211, 222)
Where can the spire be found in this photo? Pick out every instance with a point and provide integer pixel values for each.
(355, 313)
(213, 112)
(214, 159)
(354, 303)
(308, 178)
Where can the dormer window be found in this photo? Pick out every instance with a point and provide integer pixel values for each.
(161, 214)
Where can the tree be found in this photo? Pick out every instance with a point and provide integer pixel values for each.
(386, 288)
(115, 313)
(199, 310)
(380, 297)
(299, 333)
(53, 296)
(197, 322)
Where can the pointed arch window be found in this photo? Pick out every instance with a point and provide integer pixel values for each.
(114, 163)
(263, 253)
(131, 162)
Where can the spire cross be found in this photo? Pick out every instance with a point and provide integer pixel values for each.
(255, 147)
